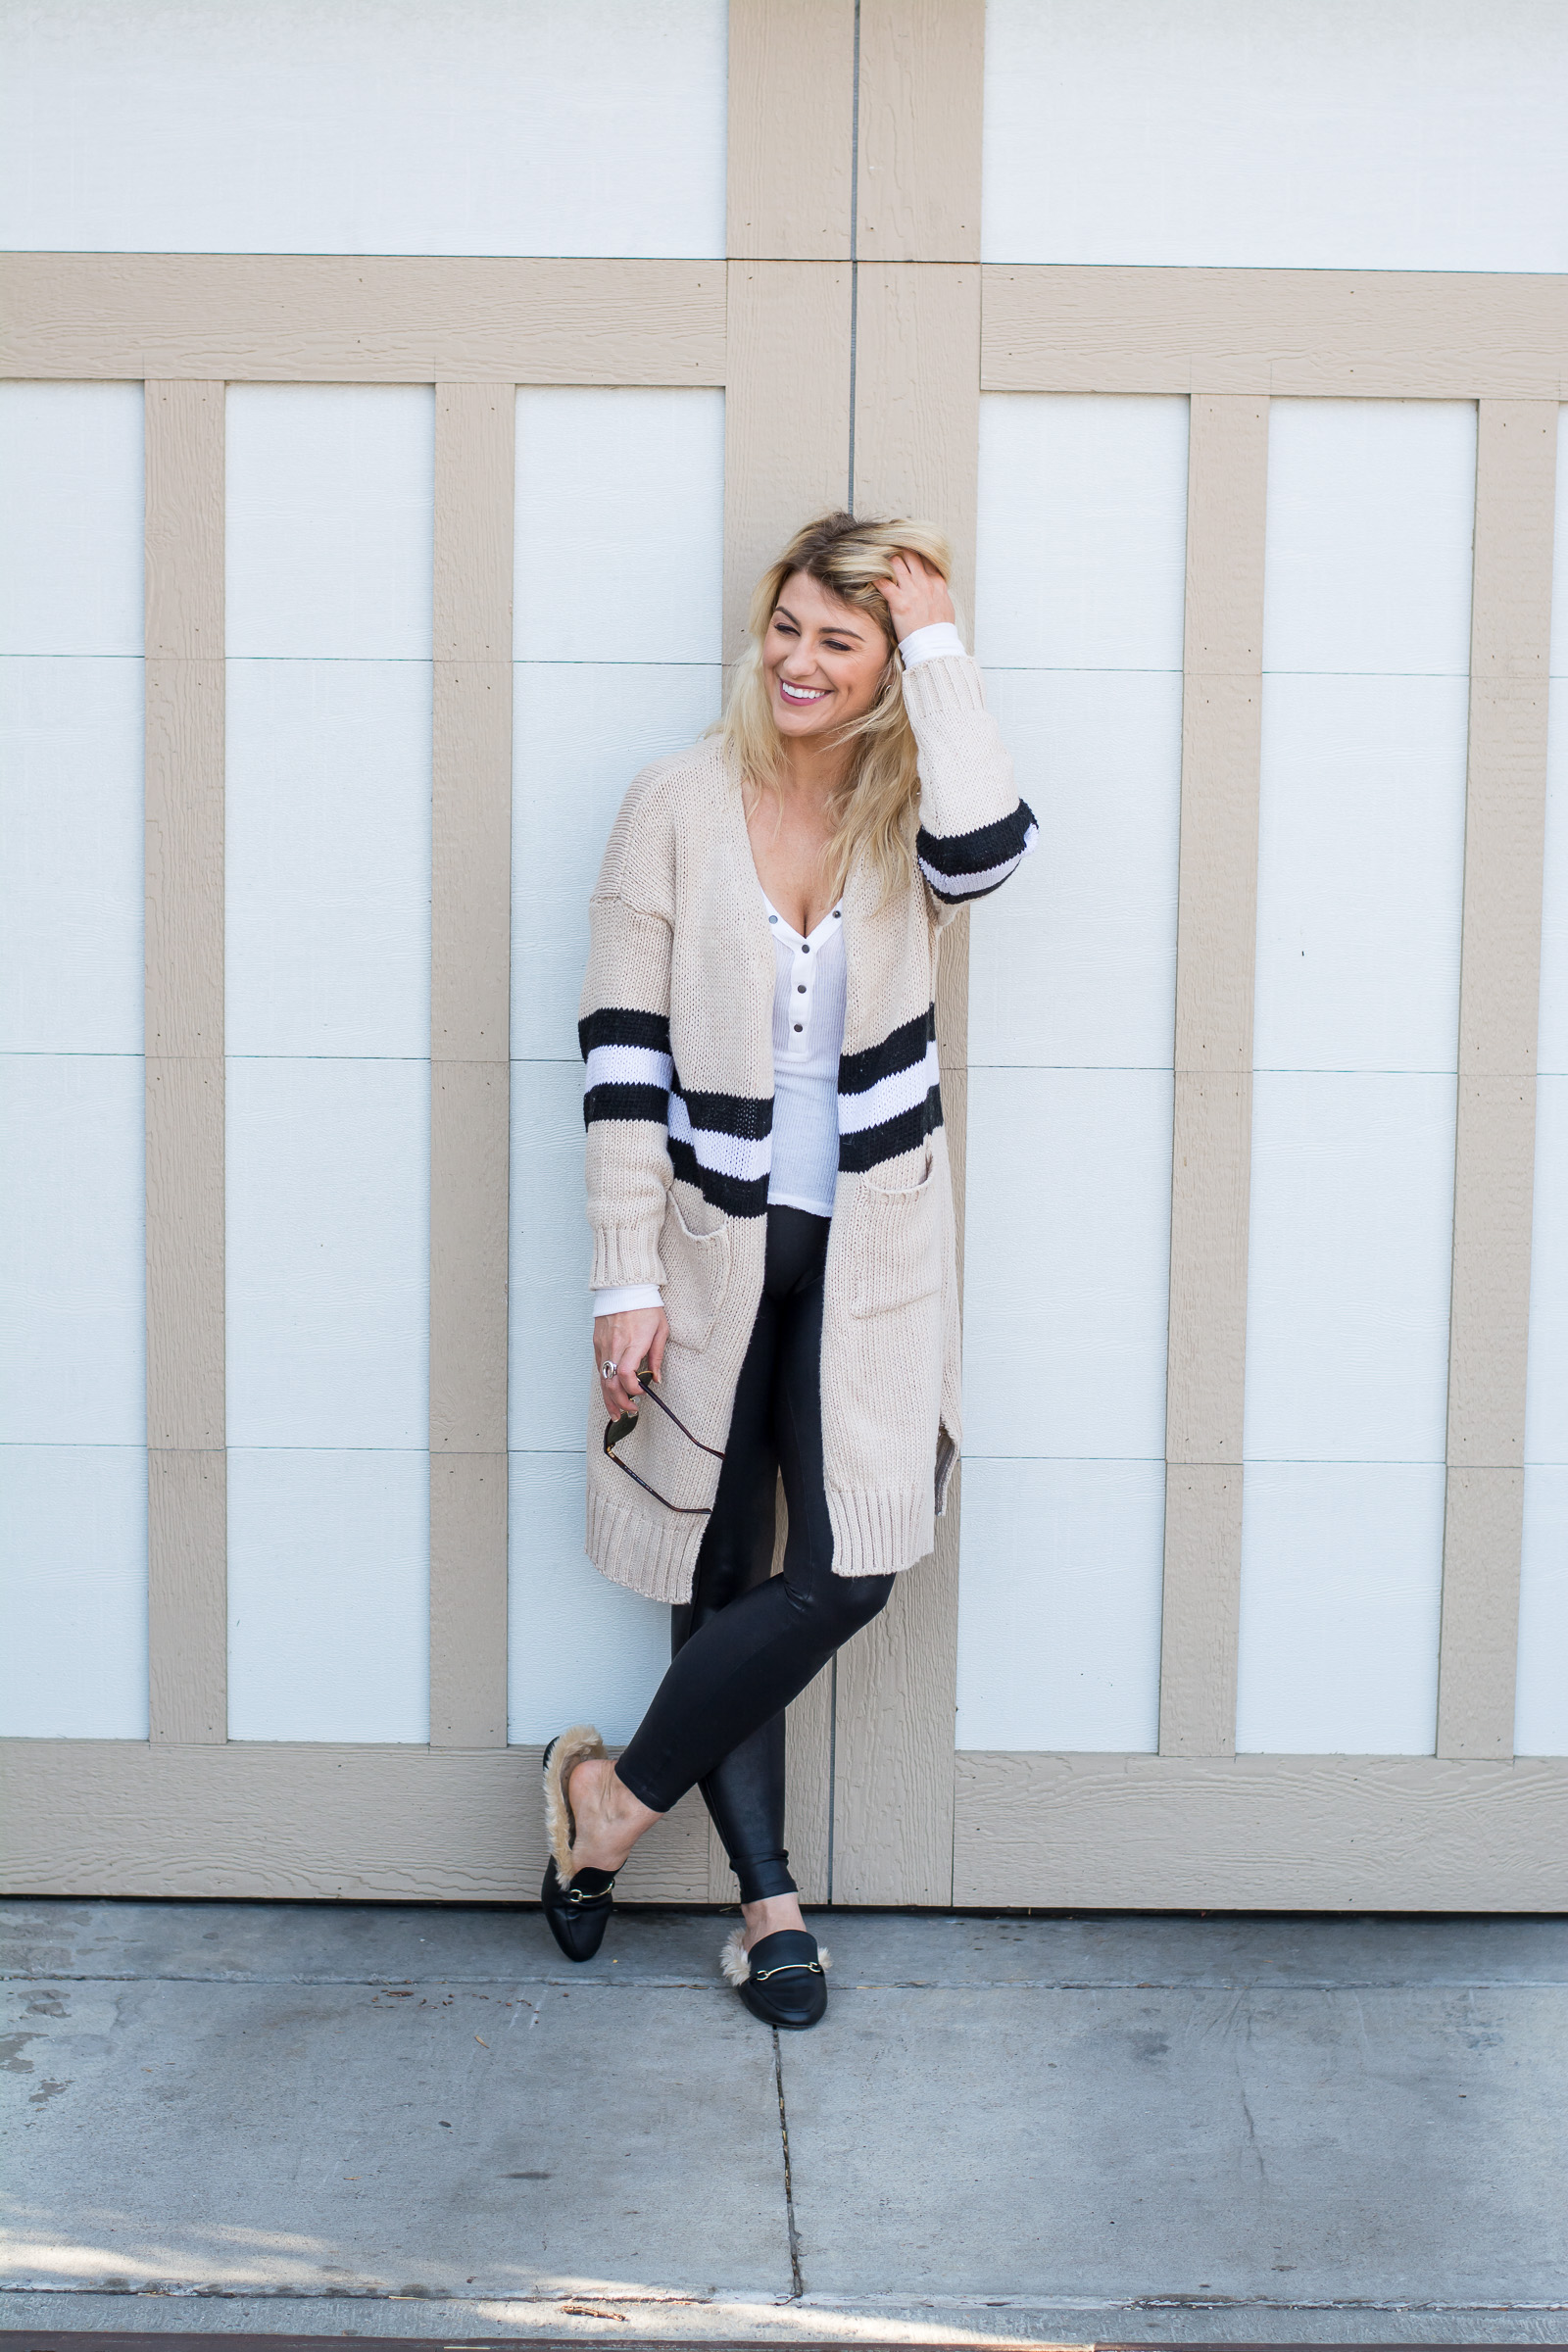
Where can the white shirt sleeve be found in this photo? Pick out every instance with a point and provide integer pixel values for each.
(626, 1300)
(930, 643)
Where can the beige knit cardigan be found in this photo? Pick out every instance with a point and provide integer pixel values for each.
(678, 1035)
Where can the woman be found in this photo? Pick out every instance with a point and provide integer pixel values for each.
(769, 1191)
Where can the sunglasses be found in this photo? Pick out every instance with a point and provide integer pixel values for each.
(623, 1425)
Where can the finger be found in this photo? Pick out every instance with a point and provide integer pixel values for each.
(656, 1350)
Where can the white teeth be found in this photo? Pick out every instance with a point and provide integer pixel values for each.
(802, 694)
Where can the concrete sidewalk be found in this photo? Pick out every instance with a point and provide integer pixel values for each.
(371, 2121)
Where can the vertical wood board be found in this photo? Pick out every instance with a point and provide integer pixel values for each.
(186, 1529)
(471, 986)
(1211, 1139)
(786, 416)
(1505, 805)
(921, 97)
(791, 126)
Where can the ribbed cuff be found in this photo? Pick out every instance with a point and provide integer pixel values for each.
(934, 688)
(876, 1535)
(627, 1258)
(934, 642)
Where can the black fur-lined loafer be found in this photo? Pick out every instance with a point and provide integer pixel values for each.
(577, 1903)
(782, 1979)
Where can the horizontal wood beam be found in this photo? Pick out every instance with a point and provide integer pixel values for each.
(1261, 1833)
(264, 1819)
(1349, 334)
(351, 319)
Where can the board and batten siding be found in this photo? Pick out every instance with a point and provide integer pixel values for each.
(377, 501)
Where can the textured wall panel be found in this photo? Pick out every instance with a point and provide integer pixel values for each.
(1067, 1265)
(73, 1591)
(328, 1595)
(328, 826)
(1071, 993)
(503, 127)
(72, 1273)
(1248, 137)
(620, 517)
(329, 519)
(71, 856)
(1065, 1555)
(1360, 867)
(581, 1649)
(1341, 1589)
(70, 518)
(581, 732)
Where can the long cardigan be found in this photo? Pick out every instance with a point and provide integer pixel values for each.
(676, 1032)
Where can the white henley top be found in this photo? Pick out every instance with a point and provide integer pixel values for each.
(808, 996)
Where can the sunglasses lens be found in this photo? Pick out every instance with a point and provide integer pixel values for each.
(619, 1428)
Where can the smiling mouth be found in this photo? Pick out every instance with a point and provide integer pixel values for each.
(802, 694)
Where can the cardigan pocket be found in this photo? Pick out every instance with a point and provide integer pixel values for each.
(696, 1278)
(895, 1251)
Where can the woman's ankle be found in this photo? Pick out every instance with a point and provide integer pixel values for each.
(770, 1916)
(609, 1819)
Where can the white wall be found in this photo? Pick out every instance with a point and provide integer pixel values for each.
(72, 1390)
(330, 540)
(1360, 870)
(619, 545)
(481, 127)
(1416, 134)
(1071, 1013)
(1542, 1724)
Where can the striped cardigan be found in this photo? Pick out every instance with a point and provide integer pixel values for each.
(676, 1032)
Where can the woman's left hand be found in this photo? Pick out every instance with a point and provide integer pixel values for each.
(916, 594)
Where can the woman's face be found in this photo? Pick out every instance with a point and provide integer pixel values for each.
(823, 661)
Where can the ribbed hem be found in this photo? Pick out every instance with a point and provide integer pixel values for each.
(656, 1558)
(624, 1256)
(949, 683)
(876, 1535)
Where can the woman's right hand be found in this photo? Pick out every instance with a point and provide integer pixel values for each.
(627, 1341)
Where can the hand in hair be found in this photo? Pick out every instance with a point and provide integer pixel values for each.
(916, 594)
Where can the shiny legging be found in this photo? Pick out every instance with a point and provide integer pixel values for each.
(748, 1641)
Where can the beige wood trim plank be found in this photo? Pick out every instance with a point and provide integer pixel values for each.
(1261, 1833)
(917, 417)
(1434, 335)
(183, 1001)
(187, 1612)
(1505, 808)
(922, 92)
(917, 402)
(367, 320)
(471, 981)
(469, 1600)
(1211, 1135)
(259, 1821)
(790, 130)
(786, 416)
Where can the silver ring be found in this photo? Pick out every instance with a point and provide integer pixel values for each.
(607, 1371)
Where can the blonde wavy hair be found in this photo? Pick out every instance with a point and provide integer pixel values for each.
(873, 810)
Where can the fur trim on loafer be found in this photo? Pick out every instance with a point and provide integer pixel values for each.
(567, 1750)
(736, 1961)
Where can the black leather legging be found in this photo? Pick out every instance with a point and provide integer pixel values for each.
(748, 1641)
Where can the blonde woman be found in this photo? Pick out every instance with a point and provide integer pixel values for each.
(775, 1290)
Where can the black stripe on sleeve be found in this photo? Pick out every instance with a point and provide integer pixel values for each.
(734, 1196)
(899, 1051)
(651, 1103)
(906, 1133)
(749, 1116)
(977, 851)
(621, 1025)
